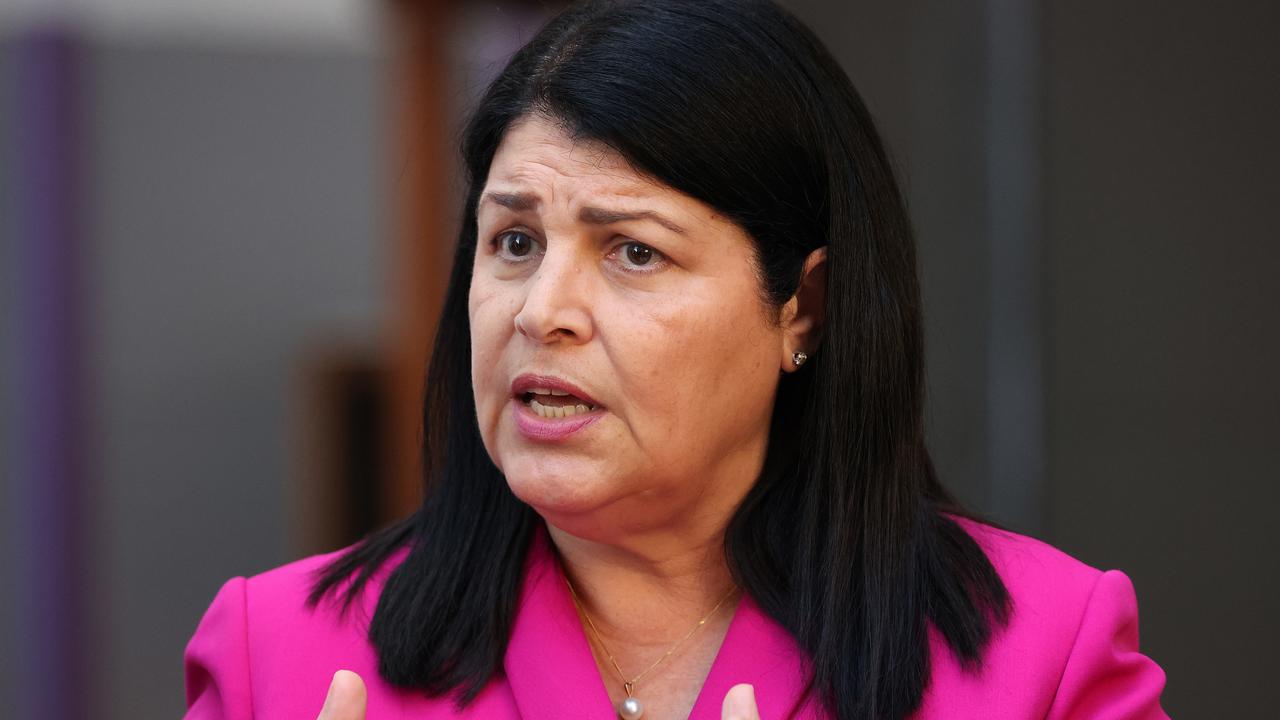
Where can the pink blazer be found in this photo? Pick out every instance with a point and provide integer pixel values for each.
(1070, 651)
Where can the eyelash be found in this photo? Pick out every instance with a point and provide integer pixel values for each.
(496, 245)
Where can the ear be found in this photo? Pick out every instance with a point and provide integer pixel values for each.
(802, 315)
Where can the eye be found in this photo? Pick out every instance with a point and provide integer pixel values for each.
(639, 254)
(638, 257)
(514, 245)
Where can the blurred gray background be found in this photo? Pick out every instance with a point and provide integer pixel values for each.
(1094, 185)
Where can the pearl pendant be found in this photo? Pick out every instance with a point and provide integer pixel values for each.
(630, 709)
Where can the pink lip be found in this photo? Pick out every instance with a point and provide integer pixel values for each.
(536, 427)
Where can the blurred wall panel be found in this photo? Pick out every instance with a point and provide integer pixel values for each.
(1013, 145)
(426, 225)
(8, 381)
(46, 458)
(1164, 180)
(343, 481)
(238, 200)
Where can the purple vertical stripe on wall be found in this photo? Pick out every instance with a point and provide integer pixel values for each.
(51, 680)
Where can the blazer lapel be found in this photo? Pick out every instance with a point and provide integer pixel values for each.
(548, 664)
(757, 651)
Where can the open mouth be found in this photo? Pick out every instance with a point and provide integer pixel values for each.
(551, 403)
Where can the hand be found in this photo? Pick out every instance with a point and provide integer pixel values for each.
(740, 704)
(346, 699)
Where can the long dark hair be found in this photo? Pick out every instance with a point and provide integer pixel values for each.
(846, 538)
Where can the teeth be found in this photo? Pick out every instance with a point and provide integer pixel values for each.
(548, 411)
(548, 391)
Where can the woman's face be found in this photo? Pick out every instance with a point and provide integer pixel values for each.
(643, 303)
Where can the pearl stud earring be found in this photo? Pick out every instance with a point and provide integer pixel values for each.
(798, 358)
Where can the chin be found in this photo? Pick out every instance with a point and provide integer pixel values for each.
(558, 489)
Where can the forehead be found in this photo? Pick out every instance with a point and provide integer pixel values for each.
(540, 151)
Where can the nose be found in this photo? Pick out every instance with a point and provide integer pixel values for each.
(556, 303)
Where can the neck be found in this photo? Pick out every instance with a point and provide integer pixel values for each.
(648, 592)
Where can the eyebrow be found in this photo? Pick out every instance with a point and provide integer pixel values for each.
(596, 216)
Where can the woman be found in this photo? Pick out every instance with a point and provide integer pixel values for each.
(674, 451)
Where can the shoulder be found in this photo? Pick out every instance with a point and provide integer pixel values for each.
(1069, 650)
(261, 628)
(1032, 568)
(284, 589)
(1049, 591)
(281, 587)
(276, 601)
(278, 597)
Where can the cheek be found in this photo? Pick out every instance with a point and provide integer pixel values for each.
(492, 321)
(701, 371)
(738, 363)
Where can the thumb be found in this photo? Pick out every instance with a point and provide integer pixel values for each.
(740, 704)
(346, 699)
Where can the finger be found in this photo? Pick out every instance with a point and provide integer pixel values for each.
(740, 704)
(346, 699)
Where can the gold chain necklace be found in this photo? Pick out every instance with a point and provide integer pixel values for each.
(631, 708)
